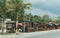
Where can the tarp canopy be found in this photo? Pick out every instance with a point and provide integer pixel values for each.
(20, 24)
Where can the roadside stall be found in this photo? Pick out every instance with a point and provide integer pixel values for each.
(10, 27)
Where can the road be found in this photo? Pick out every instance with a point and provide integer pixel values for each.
(53, 34)
(41, 34)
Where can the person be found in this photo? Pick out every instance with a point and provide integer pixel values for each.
(20, 26)
(50, 25)
(20, 30)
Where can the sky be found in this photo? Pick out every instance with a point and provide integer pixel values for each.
(42, 7)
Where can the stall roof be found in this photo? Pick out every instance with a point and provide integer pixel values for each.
(20, 24)
(10, 22)
(29, 21)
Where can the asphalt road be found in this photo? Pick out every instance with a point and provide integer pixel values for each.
(43, 34)
(54, 34)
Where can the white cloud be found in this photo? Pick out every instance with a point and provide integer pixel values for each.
(47, 3)
(42, 1)
(53, 5)
(27, 1)
(39, 12)
(35, 1)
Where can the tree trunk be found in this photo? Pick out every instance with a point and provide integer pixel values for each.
(17, 23)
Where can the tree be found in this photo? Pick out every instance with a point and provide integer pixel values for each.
(57, 20)
(12, 5)
(13, 8)
(46, 19)
(18, 7)
(3, 10)
(36, 18)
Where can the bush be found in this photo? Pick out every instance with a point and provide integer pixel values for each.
(0, 25)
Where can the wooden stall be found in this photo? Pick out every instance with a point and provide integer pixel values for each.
(31, 26)
(10, 26)
(38, 26)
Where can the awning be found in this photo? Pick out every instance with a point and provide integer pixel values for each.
(20, 24)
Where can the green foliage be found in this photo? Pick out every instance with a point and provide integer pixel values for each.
(36, 18)
(57, 20)
(46, 19)
(0, 25)
(10, 8)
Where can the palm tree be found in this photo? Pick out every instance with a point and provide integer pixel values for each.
(19, 8)
(3, 11)
(13, 5)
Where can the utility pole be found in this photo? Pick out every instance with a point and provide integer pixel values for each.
(29, 20)
(24, 23)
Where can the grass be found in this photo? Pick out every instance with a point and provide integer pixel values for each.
(8, 34)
